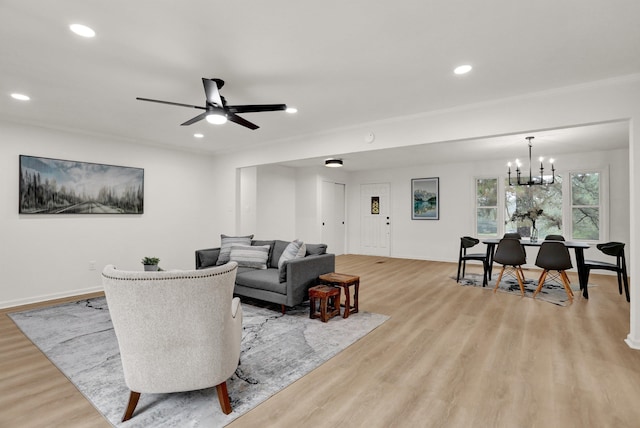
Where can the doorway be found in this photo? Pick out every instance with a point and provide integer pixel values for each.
(375, 223)
(333, 217)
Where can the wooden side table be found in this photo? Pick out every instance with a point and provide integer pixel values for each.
(329, 299)
(344, 280)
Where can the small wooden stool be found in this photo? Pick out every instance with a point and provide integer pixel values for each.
(344, 280)
(329, 299)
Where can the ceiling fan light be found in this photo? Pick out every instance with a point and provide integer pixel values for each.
(333, 163)
(216, 118)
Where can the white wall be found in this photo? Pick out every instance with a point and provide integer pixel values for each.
(47, 256)
(439, 239)
(276, 217)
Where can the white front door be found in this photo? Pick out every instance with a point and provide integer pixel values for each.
(375, 233)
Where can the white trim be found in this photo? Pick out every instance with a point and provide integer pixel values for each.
(603, 207)
(47, 297)
(633, 344)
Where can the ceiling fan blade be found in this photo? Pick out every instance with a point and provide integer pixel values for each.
(240, 121)
(211, 91)
(170, 103)
(253, 108)
(195, 119)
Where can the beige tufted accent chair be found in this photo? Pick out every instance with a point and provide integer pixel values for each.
(177, 330)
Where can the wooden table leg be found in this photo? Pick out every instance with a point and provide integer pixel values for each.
(347, 301)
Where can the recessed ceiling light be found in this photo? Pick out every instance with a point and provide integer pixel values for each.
(291, 110)
(21, 97)
(82, 30)
(198, 135)
(463, 69)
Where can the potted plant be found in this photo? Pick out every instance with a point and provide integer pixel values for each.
(151, 263)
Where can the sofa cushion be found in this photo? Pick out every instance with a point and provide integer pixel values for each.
(258, 243)
(207, 258)
(225, 246)
(252, 256)
(262, 279)
(295, 250)
(278, 249)
(316, 249)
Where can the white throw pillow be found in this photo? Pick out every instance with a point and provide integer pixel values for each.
(295, 250)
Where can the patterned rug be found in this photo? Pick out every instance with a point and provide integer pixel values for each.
(552, 292)
(276, 350)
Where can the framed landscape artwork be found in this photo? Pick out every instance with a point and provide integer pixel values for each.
(54, 186)
(426, 198)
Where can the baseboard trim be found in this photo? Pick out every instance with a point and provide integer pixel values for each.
(48, 297)
(633, 344)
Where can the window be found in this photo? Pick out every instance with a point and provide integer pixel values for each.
(487, 207)
(585, 205)
(572, 207)
(534, 206)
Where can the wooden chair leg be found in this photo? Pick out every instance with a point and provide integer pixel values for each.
(521, 272)
(131, 406)
(499, 278)
(520, 279)
(540, 282)
(283, 308)
(223, 397)
(567, 287)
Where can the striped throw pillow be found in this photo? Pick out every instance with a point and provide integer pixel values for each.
(250, 256)
(226, 242)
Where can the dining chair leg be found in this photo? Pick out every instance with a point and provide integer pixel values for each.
(620, 283)
(520, 278)
(540, 282)
(521, 272)
(567, 287)
(498, 280)
(626, 285)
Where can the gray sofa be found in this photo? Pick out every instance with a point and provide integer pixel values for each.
(287, 288)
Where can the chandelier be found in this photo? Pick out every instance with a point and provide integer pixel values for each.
(531, 180)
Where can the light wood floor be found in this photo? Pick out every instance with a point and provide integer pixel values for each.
(450, 356)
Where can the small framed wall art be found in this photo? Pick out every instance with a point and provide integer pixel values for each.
(55, 186)
(425, 194)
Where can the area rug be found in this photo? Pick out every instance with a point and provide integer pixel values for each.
(276, 350)
(552, 292)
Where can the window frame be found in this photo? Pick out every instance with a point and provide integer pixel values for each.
(603, 207)
(567, 206)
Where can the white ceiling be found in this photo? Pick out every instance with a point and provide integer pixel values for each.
(341, 63)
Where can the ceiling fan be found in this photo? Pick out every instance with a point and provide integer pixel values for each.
(216, 109)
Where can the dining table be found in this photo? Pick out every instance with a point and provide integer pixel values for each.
(577, 246)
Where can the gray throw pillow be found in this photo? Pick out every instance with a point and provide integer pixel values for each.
(226, 242)
(295, 250)
(207, 259)
(316, 249)
(251, 256)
